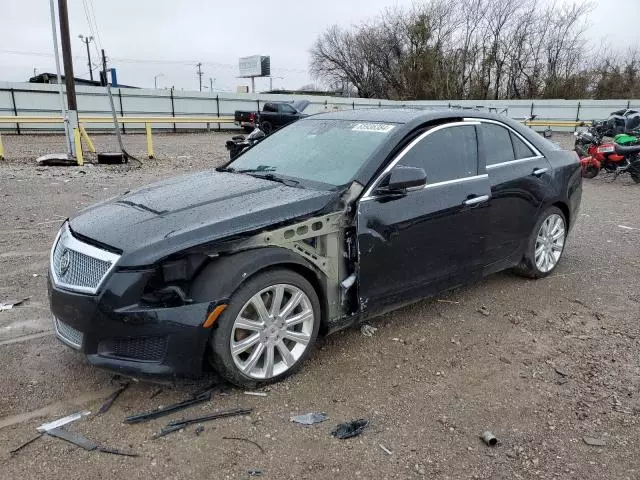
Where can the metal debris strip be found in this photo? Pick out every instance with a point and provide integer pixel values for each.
(350, 429)
(28, 442)
(161, 412)
(83, 442)
(112, 398)
(10, 305)
(45, 427)
(310, 418)
(176, 425)
(240, 439)
(595, 442)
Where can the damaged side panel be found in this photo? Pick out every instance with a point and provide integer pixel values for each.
(327, 242)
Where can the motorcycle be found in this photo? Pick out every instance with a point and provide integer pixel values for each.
(240, 143)
(612, 157)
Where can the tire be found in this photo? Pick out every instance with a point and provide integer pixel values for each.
(635, 176)
(266, 127)
(590, 172)
(271, 337)
(529, 266)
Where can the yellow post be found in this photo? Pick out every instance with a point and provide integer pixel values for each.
(150, 152)
(78, 144)
(84, 134)
(1, 148)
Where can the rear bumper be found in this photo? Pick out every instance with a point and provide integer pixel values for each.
(126, 337)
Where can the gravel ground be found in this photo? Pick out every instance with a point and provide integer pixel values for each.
(553, 361)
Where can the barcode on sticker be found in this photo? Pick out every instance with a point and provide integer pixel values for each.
(373, 127)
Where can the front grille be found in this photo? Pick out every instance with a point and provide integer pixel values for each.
(147, 349)
(68, 334)
(78, 266)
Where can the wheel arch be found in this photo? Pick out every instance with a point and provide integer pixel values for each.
(564, 208)
(219, 280)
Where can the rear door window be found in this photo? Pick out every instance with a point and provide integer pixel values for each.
(288, 109)
(447, 154)
(497, 141)
(270, 107)
(520, 148)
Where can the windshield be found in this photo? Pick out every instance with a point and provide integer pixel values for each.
(323, 151)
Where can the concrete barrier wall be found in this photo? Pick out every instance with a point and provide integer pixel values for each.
(42, 99)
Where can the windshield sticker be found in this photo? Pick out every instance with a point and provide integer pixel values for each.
(373, 127)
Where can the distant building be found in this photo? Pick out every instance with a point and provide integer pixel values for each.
(53, 78)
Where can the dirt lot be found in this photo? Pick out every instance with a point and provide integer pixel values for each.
(554, 361)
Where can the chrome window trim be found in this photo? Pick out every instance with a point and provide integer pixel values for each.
(533, 148)
(431, 185)
(73, 243)
(368, 193)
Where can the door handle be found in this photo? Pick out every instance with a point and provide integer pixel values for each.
(538, 172)
(476, 200)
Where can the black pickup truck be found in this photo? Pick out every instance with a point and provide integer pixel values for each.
(274, 115)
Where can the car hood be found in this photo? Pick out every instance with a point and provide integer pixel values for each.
(182, 212)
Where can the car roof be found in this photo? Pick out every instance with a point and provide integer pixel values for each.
(404, 115)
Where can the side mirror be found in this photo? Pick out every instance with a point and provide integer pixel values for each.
(401, 179)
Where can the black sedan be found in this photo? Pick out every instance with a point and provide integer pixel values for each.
(332, 220)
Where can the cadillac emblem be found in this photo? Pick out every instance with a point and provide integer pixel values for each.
(65, 262)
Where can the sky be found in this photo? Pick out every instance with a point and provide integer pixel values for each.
(166, 39)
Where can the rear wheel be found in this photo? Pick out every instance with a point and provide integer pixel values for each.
(268, 330)
(545, 245)
(635, 176)
(590, 171)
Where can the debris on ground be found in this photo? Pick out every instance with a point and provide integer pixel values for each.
(310, 418)
(9, 305)
(368, 330)
(484, 311)
(199, 430)
(81, 441)
(240, 439)
(112, 398)
(385, 449)
(256, 394)
(156, 393)
(562, 372)
(489, 438)
(255, 473)
(28, 442)
(595, 442)
(161, 412)
(176, 425)
(350, 429)
(45, 427)
(453, 302)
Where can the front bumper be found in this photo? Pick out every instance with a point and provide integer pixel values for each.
(117, 333)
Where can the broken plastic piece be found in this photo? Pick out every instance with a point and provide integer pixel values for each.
(28, 442)
(256, 394)
(255, 473)
(489, 439)
(349, 429)
(75, 438)
(143, 417)
(45, 427)
(199, 430)
(385, 449)
(310, 418)
(368, 330)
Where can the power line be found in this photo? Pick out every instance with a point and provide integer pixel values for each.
(90, 25)
(95, 22)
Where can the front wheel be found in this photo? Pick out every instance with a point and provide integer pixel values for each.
(545, 245)
(268, 329)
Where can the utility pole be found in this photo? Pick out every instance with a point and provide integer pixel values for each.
(210, 84)
(200, 73)
(86, 41)
(67, 61)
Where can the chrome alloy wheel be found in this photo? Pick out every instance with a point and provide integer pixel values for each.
(272, 331)
(550, 243)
